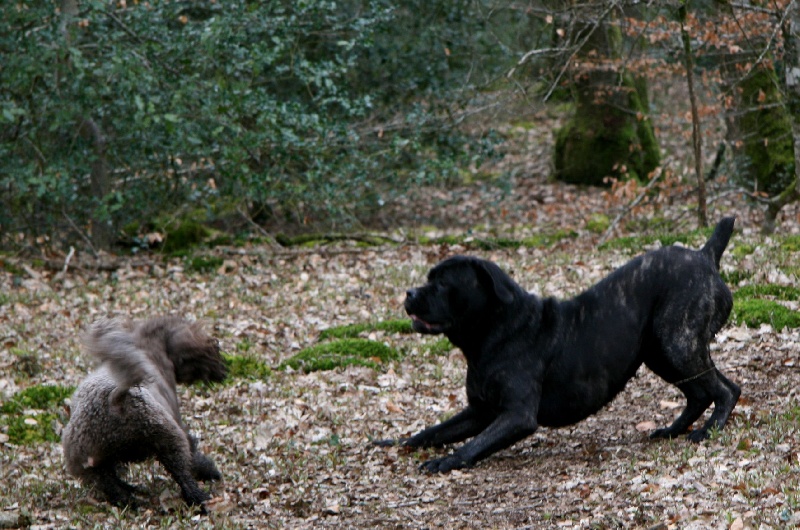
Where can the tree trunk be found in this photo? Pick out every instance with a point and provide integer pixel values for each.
(102, 233)
(100, 184)
(791, 37)
(609, 133)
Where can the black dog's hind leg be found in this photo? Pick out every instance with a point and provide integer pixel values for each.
(463, 425)
(726, 394)
(712, 387)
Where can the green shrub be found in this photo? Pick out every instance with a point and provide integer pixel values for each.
(341, 353)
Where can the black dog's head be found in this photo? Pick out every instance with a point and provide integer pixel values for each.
(460, 291)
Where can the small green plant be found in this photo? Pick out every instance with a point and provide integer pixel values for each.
(791, 243)
(25, 364)
(341, 353)
(402, 326)
(598, 223)
(442, 346)
(246, 367)
(742, 250)
(755, 311)
(733, 278)
(29, 415)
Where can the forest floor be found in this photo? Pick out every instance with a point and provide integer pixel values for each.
(294, 448)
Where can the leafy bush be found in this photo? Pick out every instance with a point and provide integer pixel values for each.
(315, 111)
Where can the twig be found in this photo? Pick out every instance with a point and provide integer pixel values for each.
(259, 229)
(68, 259)
(80, 233)
(630, 207)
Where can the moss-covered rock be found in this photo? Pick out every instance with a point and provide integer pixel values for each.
(341, 353)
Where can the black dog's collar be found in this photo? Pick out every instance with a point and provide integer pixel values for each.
(698, 376)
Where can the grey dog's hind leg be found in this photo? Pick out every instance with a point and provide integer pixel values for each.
(106, 480)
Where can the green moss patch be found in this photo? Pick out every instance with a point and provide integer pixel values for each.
(341, 353)
(494, 243)
(402, 326)
(203, 263)
(29, 415)
(636, 243)
(755, 311)
(246, 367)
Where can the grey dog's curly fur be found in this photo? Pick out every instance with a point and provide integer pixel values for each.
(127, 410)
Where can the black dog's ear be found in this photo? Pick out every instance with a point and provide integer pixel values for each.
(501, 282)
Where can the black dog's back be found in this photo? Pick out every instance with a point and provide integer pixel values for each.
(661, 309)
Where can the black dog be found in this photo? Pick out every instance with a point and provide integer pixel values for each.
(534, 361)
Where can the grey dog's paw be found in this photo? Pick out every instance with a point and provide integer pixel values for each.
(443, 464)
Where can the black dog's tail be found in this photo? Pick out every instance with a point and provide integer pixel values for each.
(716, 244)
(114, 346)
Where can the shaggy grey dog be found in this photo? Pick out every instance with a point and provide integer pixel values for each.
(126, 410)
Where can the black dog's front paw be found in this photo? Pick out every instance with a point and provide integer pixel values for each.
(665, 432)
(697, 436)
(391, 442)
(443, 464)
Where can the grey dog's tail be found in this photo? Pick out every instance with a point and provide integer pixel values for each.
(716, 244)
(113, 345)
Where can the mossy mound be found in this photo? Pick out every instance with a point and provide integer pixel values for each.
(341, 353)
(402, 326)
(246, 367)
(30, 414)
